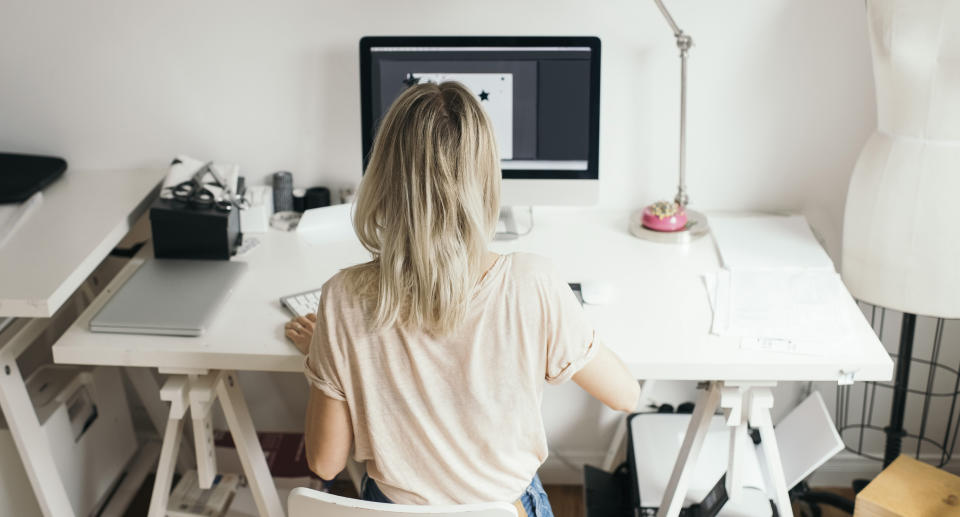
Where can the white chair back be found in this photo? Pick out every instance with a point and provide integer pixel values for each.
(304, 502)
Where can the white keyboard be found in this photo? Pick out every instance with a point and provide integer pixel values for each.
(301, 304)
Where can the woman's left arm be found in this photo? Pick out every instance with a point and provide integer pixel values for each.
(328, 434)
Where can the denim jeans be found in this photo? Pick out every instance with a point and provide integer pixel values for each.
(534, 498)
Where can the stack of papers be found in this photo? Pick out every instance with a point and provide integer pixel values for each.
(777, 289)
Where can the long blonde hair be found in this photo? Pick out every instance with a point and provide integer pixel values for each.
(426, 208)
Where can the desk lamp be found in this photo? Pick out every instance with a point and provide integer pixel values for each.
(666, 221)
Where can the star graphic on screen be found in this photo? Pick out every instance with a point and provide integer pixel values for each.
(411, 80)
(484, 96)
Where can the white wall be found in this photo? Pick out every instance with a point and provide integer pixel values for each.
(780, 101)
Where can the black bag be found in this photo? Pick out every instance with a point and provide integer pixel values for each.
(22, 175)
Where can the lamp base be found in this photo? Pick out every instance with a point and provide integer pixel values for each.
(696, 227)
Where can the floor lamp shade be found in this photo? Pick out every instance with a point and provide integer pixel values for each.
(901, 235)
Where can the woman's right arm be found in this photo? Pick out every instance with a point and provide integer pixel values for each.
(607, 379)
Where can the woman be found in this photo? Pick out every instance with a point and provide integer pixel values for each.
(430, 359)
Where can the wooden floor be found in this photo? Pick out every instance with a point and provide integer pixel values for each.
(567, 500)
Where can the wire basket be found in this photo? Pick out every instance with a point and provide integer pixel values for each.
(932, 412)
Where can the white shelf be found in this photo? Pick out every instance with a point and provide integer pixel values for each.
(82, 217)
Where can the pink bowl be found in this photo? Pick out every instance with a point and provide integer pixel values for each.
(664, 217)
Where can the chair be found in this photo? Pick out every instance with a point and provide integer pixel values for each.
(304, 502)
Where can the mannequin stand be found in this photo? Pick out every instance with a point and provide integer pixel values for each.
(895, 432)
(930, 437)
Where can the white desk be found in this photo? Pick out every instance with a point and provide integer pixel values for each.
(84, 214)
(659, 324)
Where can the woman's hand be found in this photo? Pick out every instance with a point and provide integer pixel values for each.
(300, 331)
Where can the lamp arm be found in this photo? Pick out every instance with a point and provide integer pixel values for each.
(684, 41)
(666, 14)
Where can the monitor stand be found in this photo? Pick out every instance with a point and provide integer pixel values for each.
(507, 225)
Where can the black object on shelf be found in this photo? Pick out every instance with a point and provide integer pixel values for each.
(190, 232)
(317, 197)
(299, 200)
(815, 498)
(22, 175)
(939, 396)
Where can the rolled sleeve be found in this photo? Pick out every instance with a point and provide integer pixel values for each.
(571, 337)
(567, 367)
(319, 381)
(321, 365)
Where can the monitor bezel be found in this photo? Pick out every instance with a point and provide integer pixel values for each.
(593, 42)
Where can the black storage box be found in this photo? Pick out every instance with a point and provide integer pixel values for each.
(188, 232)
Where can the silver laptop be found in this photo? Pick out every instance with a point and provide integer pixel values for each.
(169, 297)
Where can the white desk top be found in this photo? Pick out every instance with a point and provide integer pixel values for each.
(659, 324)
(84, 214)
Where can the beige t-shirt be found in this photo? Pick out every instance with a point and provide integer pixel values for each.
(456, 419)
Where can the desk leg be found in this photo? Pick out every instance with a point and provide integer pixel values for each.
(732, 403)
(31, 441)
(175, 392)
(761, 400)
(617, 453)
(147, 388)
(202, 397)
(248, 446)
(356, 471)
(676, 490)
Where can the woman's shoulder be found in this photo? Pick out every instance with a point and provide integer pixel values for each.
(340, 290)
(532, 267)
(529, 262)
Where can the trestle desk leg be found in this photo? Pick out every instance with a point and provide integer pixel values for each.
(248, 446)
(175, 392)
(203, 394)
(148, 392)
(31, 441)
(761, 401)
(676, 490)
(617, 453)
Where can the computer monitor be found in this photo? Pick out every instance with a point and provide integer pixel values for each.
(542, 95)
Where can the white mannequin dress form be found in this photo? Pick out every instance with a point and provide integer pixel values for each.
(901, 235)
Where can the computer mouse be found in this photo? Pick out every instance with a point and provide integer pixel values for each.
(596, 292)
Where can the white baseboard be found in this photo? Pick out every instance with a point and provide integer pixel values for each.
(846, 466)
(566, 468)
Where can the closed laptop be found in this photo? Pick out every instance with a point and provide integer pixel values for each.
(169, 297)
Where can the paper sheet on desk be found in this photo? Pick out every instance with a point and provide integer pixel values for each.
(795, 311)
(327, 224)
(768, 242)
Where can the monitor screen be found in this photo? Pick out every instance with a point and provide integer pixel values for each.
(540, 93)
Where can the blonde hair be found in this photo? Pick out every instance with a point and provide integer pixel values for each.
(426, 208)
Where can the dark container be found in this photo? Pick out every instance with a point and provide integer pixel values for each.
(188, 232)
